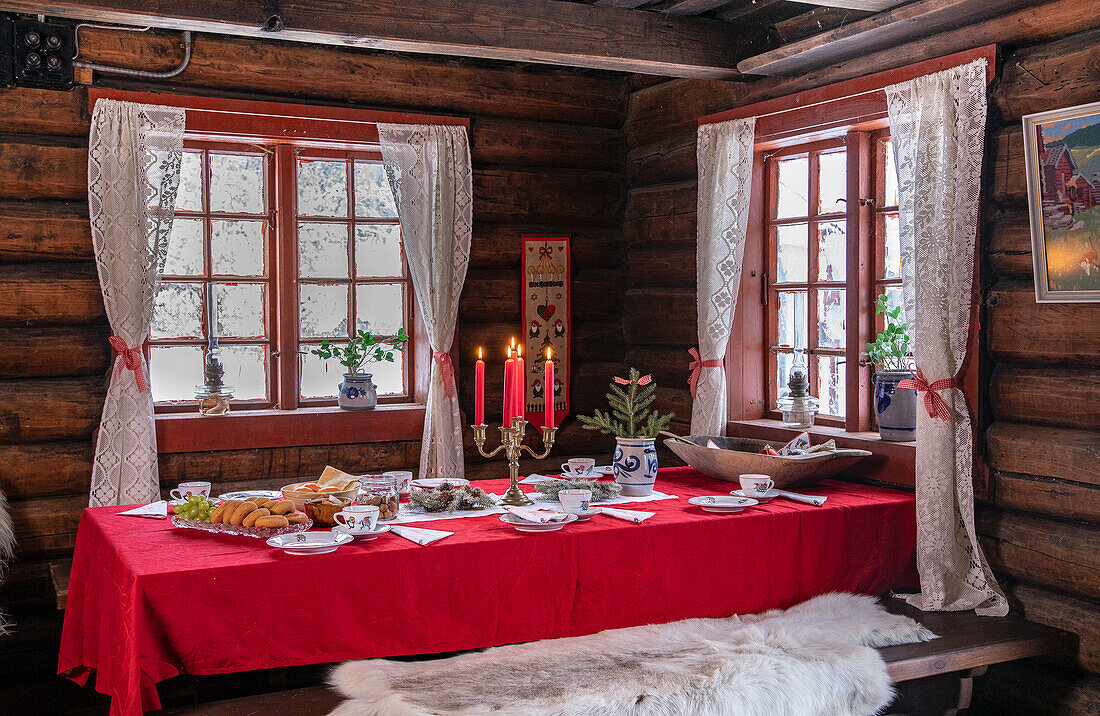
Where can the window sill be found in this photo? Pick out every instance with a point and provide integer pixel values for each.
(892, 463)
(328, 425)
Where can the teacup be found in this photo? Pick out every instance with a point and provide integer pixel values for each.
(403, 479)
(575, 502)
(358, 518)
(752, 485)
(189, 489)
(578, 466)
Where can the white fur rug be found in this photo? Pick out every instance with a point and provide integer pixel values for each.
(7, 544)
(814, 658)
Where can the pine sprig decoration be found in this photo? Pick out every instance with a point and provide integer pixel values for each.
(601, 490)
(448, 498)
(630, 415)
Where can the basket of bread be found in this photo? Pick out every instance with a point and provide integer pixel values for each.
(254, 517)
(331, 483)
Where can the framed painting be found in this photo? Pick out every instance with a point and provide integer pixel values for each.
(1062, 159)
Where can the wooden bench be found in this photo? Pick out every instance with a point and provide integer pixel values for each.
(932, 677)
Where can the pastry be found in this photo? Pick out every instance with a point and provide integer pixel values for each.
(271, 521)
(296, 518)
(241, 512)
(216, 515)
(258, 500)
(230, 506)
(282, 507)
(250, 519)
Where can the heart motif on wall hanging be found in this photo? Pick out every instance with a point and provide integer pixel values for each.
(546, 322)
(545, 311)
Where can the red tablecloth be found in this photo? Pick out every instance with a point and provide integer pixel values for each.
(147, 601)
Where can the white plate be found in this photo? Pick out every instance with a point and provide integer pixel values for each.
(433, 482)
(766, 497)
(310, 542)
(525, 526)
(722, 503)
(245, 494)
(362, 536)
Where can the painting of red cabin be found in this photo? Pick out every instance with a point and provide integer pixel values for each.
(1063, 172)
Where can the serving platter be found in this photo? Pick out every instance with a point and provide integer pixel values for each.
(241, 530)
(738, 456)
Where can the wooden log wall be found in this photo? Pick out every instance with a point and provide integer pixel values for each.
(1042, 524)
(548, 153)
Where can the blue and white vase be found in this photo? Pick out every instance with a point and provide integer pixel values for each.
(635, 465)
(895, 409)
(358, 392)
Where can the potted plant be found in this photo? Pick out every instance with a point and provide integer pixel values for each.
(892, 357)
(358, 391)
(635, 427)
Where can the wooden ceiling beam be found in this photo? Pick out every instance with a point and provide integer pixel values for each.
(865, 5)
(692, 7)
(914, 21)
(556, 33)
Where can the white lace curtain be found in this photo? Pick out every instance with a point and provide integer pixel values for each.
(134, 153)
(428, 167)
(937, 123)
(724, 155)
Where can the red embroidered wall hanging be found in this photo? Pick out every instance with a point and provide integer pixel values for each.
(546, 323)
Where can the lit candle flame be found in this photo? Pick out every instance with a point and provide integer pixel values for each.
(519, 351)
(549, 353)
(479, 352)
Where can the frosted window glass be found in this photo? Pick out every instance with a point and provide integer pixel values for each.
(322, 188)
(237, 183)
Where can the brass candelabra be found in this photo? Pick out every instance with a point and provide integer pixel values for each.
(511, 442)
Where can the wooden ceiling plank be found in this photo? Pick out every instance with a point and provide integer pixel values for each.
(555, 33)
(745, 8)
(693, 7)
(866, 5)
(878, 32)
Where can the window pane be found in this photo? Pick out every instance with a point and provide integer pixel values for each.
(373, 197)
(832, 182)
(189, 194)
(892, 247)
(794, 184)
(783, 363)
(237, 183)
(322, 188)
(319, 378)
(389, 377)
(791, 253)
(323, 311)
(378, 250)
(791, 323)
(830, 384)
(323, 250)
(380, 308)
(175, 372)
(891, 178)
(895, 299)
(184, 255)
(239, 308)
(237, 248)
(177, 311)
(830, 318)
(245, 371)
(832, 248)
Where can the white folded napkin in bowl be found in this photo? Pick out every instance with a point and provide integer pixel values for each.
(154, 510)
(418, 534)
(539, 516)
(635, 516)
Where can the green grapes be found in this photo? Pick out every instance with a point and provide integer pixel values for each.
(195, 507)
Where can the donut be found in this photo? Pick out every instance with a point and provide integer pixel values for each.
(251, 517)
(241, 512)
(227, 509)
(216, 515)
(296, 518)
(271, 521)
(258, 500)
(282, 507)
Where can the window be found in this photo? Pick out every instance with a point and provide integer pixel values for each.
(272, 267)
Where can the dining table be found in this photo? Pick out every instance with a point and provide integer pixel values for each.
(148, 601)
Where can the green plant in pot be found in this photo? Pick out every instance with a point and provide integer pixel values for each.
(358, 391)
(635, 426)
(892, 356)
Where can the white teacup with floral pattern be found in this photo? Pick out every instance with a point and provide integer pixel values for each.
(575, 502)
(357, 519)
(755, 485)
(189, 489)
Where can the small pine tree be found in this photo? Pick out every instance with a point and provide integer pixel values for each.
(630, 415)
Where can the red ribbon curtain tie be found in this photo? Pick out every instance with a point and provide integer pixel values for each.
(131, 360)
(933, 401)
(448, 370)
(697, 367)
(644, 380)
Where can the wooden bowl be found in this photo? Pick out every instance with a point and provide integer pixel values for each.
(292, 493)
(739, 456)
(323, 511)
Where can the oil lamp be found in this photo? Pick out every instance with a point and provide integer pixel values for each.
(798, 407)
(213, 395)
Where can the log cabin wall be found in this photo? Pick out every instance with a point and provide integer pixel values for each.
(547, 152)
(1041, 526)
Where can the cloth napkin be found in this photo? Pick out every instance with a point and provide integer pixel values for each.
(535, 479)
(635, 516)
(814, 500)
(418, 534)
(155, 510)
(539, 516)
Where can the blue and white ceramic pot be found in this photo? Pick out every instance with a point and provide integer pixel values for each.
(358, 392)
(896, 409)
(635, 465)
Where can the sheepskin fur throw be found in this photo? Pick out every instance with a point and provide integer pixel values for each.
(814, 658)
(7, 544)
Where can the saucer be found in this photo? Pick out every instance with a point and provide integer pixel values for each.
(362, 536)
(597, 473)
(433, 482)
(722, 503)
(310, 542)
(245, 494)
(766, 497)
(584, 516)
(525, 526)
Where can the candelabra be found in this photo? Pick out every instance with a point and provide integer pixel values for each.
(511, 442)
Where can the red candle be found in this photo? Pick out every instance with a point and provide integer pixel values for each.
(548, 381)
(520, 385)
(509, 391)
(479, 390)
